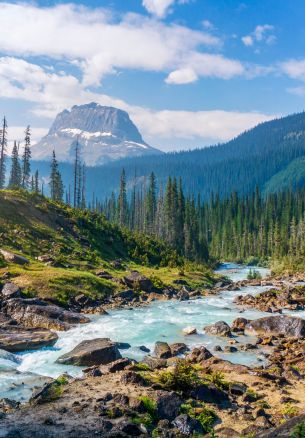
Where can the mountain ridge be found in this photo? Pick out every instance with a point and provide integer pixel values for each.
(247, 161)
(104, 134)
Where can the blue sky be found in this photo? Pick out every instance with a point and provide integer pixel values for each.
(189, 72)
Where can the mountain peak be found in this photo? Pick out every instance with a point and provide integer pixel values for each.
(105, 133)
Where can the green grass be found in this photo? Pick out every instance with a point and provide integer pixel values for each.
(58, 283)
(80, 243)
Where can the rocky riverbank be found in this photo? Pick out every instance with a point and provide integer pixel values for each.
(165, 395)
(169, 396)
(173, 391)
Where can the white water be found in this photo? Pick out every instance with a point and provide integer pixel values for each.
(160, 321)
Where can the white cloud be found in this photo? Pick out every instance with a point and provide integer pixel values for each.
(159, 8)
(215, 125)
(207, 24)
(97, 42)
(294, 68)
(51, 93)
(262, 33)
(247, 40)
(182, 76)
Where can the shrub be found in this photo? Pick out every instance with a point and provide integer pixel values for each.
(157, 282)
(253, 274)
(182, 378)
(200, 412)
(298, 431)
(217, 378)
(150, 406)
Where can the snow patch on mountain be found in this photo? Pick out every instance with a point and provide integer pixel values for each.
(103, 133)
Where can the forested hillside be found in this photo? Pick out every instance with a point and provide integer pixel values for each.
(240, 165)
(247, 228)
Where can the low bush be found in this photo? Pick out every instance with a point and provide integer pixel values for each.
(181, 378)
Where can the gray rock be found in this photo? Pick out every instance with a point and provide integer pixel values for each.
(126, 295)
(136, 280)
(239, 324)
(14, 258)
(238, 388)
(187, 425)
(37, 313)
(154, 362)
(10, 290)
(220, 328)
(99, 351)
(178, 348)
(199, 354)
(289, 326)
(123, 345)
(145, 349)
(168, 404)
(117, 365)
(15, 339)
(162, 350)
(230, 349)
(209, 394)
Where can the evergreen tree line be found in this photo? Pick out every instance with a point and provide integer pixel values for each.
(20, 176)
(166, 214)
(237, 228)
(263, 227)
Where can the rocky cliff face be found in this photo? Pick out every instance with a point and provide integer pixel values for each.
(104, 134)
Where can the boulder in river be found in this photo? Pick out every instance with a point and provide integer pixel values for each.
(199, 354)
(15, 339)
(239, 324)
(14, 258)
(288, 326)
(220, 328)
(178, 348)
(162, 350)
(189, 331)
(135, 280)
(37, 313)
(100, 351)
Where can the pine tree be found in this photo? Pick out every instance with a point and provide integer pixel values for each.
(83, 188)
(26, 167)
(36, 182)
(151, 205)
(3, 146)
(56, 184)
(15, 174)
(77, 177)
(122, 201)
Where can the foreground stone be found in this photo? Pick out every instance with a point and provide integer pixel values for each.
(135, 280)
(37, 313)
(162, 350)
(277, 325)
(15, 339)
(99, 351)
(168, 404)
(14, 258)
(10, 290)
(220, 328)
